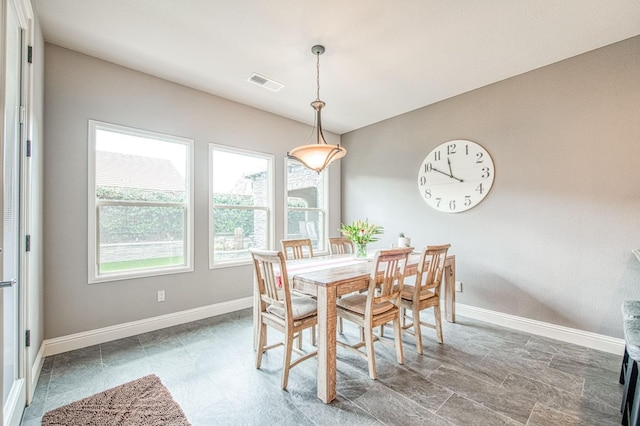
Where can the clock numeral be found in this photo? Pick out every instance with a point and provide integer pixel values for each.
(427, 193)
(423, 180)
(485, 173)
(479, 159)
(451, 148)
(428, 167)
(479, 189)
(467, 200)
(466, 149)
(438, 201)
(452, 205)
(436, 156)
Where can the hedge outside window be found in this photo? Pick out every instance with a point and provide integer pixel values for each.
(241, 202)
(140, 213)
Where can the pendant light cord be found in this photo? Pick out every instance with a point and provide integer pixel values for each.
(318, 76)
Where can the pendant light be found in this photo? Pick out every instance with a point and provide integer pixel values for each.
(317, 156)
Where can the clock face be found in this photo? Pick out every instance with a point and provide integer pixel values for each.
(455, 176)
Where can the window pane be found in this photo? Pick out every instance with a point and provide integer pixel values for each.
(136, 237)
(305, 188)
(306, 204)
(237, 230)
(241, 200)
(137, 168)
(307, 224)
(240, 179)
(141, 212)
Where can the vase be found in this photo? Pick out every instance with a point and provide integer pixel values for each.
(404, 242)
(361, 250)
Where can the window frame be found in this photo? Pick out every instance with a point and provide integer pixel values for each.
(324, 211)
(268, 209)
(94, 277)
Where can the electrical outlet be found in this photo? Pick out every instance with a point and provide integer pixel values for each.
(161, 295)
(459, 286)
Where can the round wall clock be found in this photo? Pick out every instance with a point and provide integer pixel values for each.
(455, 176)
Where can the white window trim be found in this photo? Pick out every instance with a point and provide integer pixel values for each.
(269, 208)
(325, 201)
(94, 277)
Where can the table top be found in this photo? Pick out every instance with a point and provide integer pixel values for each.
(334, 270)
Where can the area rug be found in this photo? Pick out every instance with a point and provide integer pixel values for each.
(144, 402)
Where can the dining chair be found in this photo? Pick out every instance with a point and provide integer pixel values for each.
(379, 305)
(425, 293)
(280, 309)
(340, 245)
(297, 248)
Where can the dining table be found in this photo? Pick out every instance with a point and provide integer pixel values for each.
(331, 276)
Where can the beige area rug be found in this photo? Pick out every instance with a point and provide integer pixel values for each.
(144, 402)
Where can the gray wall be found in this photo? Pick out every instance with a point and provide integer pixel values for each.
(552, 241)
(79, 88)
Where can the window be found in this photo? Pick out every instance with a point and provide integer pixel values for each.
(241, 202)
(140, 203)
(306, 201)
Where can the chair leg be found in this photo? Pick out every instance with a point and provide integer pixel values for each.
(371, 358)
(397, 328)
(288, 348)
(262, 340)
(417, 331)
(634, 409)
(438, 317)
(340, 329)
(629, 391)
(314, 342)
(299, 341)
(623, 367)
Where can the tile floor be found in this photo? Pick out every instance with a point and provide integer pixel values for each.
(482, 375)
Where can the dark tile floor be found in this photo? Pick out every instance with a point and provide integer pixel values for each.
(482, 375)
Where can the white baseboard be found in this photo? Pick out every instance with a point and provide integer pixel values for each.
(36, 368)
(13, 407)
(94, 337)
(565, 334)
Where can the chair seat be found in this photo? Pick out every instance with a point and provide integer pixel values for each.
(357, 303)
(408, 292)
(630, 309)
(301, 306)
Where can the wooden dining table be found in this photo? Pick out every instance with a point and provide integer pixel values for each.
(331, 276)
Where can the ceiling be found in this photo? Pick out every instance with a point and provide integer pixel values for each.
(383, 58)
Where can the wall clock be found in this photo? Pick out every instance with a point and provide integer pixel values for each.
(455, 176)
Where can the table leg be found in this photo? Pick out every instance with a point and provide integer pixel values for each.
(326, 343)
(450, 289)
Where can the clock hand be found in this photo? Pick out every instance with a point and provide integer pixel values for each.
(446, 174)
(451, 172)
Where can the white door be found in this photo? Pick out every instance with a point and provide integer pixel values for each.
(13, 384)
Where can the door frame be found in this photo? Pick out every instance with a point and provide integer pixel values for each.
(25, 13)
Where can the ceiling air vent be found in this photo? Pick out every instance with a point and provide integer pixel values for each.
(265, 82)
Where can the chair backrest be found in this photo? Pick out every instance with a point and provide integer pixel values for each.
(387, 275)
(297, 249)
(340, 245)
(431, 268)
(272, 279)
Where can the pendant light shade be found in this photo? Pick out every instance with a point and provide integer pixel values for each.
(317, 155)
